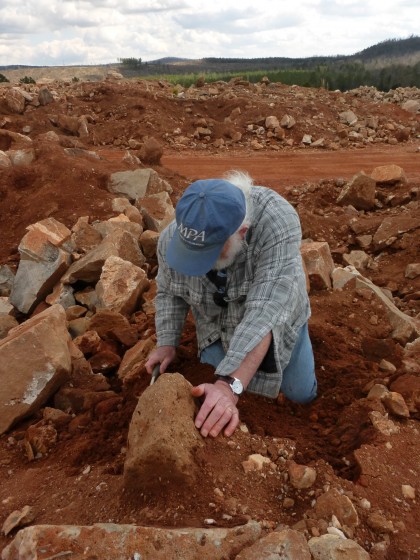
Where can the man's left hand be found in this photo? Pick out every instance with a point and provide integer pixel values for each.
(218, 409)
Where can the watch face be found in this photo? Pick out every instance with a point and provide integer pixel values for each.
(237, 387)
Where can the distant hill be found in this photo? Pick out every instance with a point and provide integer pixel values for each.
(390, 50)
(385, 65)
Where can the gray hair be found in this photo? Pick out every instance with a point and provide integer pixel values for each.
(243, 181)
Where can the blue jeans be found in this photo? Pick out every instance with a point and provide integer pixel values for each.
(299, 382)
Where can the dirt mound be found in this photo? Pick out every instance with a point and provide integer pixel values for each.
(79, 480)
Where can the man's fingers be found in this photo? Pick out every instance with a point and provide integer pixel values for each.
(207, 406)
(217, 420)
(226, 418)
(197, 391)
(233, 424)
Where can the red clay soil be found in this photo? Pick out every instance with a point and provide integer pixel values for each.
(80, 480)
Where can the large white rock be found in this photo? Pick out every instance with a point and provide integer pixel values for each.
(120, 285)
(119, 243)
(333, 547)
(109, 541)
(404, 327)
(34, 361)
(136, 184)
(41, 266)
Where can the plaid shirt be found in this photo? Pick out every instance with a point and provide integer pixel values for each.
(266, 291)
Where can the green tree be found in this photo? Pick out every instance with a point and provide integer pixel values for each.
(27, 80)
(130, 62)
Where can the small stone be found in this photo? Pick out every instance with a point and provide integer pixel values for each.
(377, 392)
(412, 270)
(301, 476)
(408, 491)
(288, 503)
(18, 518)
(379, 523)
(395, 404)
(383, 424)
(387, 367)
(255, 462)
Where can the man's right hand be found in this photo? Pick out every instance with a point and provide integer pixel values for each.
(163, 355)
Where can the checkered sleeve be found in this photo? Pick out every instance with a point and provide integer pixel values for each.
(171, 311)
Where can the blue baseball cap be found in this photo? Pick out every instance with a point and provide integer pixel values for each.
(207, 214)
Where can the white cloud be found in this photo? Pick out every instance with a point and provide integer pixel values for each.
(100, 31)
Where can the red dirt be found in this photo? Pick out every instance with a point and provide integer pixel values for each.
(80, 480)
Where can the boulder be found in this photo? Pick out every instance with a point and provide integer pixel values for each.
(157, 211)
(318, 263)
(15, 100)
(162, 438)
(394, 227)
(359, 192)
(41, 265)
(284, 544)
(411, 105)
(148, 243)
(45, 97)
(119, 223)
(34, 361)
(272, 122)
(151, 152)
(333, 502)
(135, 358)
(348, 117)
(333, 547)
(118, 243)
(120, 285)
(388, 175)
(21, 157)
(404, 326)
(136, 184)
(109, 541)
(111, 325)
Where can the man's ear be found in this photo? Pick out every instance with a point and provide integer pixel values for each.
(242, 231)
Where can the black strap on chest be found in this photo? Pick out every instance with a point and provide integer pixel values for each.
(219, 279)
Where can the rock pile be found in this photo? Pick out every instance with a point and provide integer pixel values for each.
(237, 115)
(84, 299)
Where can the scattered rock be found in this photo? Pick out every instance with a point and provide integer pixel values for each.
(359, 192)
(29, 379)
(282, 543)
(110, 541)
(333, 547)
(318, 263)
(388, 174)
(120, 285)
(18, 518)
(301, 476)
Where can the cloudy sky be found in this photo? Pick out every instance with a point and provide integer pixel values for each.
(60, 32)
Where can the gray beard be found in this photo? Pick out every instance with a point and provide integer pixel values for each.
(235, 249)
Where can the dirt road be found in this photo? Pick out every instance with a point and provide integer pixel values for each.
(288, 168)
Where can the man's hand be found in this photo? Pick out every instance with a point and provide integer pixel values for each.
(218, 409)
(163, 356)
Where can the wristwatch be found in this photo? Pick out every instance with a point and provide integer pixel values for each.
(234, 383)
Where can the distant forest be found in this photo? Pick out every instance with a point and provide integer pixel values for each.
(387, 65)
